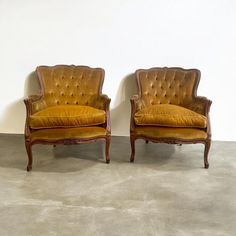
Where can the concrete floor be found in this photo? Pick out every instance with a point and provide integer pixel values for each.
(71, 191)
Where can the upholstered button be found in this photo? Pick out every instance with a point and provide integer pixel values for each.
(77, 103)
(67, 86)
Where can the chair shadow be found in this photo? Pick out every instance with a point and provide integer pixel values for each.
(68, 158)
(32, 85)
(120, 114)
(14, 114)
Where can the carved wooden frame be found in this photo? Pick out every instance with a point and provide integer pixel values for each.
(107, 125)
(207, 103)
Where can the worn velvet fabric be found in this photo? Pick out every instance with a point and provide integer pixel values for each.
(67, 116)
(171, 133)
(68, 133)
(169, 116)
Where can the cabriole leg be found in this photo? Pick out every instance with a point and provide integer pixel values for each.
(108, 140)
(29, 153)
(206, 151)
(132, 142)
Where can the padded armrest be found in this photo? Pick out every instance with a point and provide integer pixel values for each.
(200, 105)
(101, 102)
(136, 103)
(34, 103)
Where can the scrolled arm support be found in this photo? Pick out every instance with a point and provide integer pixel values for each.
(200, 105)
(29, 103)
(135, 106)
(34, 103)
(106, 102)
(103, 102)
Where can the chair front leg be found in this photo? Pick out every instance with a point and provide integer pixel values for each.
(28, 147)
(132, 142)
(206, 151)
(108, 141)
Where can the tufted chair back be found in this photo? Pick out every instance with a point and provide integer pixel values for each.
(63, 84)
(167, 85)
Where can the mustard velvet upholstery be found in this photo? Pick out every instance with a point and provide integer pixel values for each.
(70, 109)
(67, 116)
(170, 133)
(167, 108)
(169, 116)
(68, 133)
(166, 86)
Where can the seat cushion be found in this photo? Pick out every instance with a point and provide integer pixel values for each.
(170, 116)
(67, 116)
(68, 133)
(170, 133)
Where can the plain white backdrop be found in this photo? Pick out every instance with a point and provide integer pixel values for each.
(119, 36)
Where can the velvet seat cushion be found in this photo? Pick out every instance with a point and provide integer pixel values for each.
(67, 116)
(169, 115)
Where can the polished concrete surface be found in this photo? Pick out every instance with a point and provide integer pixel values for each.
(71, 191)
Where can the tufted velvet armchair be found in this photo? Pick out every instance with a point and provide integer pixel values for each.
(167, 109)
(70, 109)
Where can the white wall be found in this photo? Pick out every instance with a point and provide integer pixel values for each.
(120, 36)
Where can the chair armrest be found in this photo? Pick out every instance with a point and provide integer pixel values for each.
(136, 105)
(100, 102)
(34, 103)
(200, 105)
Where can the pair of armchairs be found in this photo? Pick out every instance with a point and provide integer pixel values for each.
(72, 109)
